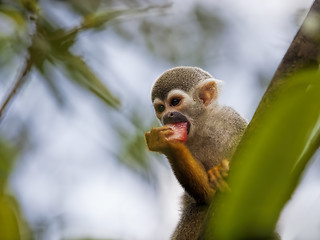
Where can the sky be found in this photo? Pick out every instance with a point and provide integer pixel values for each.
(71, 185)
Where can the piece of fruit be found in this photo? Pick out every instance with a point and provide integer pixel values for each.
(180, 131)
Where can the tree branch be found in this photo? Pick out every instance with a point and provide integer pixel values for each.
(17, 85)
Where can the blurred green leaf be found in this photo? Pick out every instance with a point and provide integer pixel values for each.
(269, 161)
(14, 15)
(53, 45)
(7, 156)
(82, 74)
(209, 22)
(177, 39)
(98, 19)
(12, 35)
(50, 43)
(84, 7)
(9, 227)
(30, 5)
(134, 153)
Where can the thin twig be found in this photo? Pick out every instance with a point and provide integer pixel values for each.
(18, 84)
(24, 71)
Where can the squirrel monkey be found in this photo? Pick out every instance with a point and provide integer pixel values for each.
(198, 137)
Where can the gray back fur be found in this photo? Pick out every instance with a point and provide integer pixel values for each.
(217, 138)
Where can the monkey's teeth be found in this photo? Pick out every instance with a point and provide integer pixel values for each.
(180, 131)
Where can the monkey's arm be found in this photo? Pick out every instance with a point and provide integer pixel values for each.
(189, 172)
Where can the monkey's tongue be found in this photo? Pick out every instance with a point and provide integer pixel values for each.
(180, 131)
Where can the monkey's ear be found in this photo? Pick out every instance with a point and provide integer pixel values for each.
(209, 90)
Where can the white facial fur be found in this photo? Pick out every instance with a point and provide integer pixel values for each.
(185, 101)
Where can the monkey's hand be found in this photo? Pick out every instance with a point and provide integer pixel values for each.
(217, 176)
(157, 139)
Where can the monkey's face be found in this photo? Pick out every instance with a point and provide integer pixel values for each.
(187, 107)
(174, 109)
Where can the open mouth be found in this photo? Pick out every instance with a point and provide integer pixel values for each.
(179, 123)
(183, 123)
(180, 131)
(175, 122)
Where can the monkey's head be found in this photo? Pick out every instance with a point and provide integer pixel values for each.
(185, 94)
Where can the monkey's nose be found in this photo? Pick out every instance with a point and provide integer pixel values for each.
(174, 117)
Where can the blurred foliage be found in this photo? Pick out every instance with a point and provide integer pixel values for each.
(12, 223)
(133, 149)
(9, 228)
(177, 38)
(52, 44)
(32, 40)
(46, 46)
(7, 156)
(42, 41)
(134, 146)
(269, 161)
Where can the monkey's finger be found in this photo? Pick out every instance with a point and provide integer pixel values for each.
(224, 174)
(156, 132)
(221, 172)
(146, 136)
(224, 168)
(168, 132)
(213, 181)
(225, 164)
(213, 178)
(163, 128)
(217, 185)
(216, 172)
(211, 174)
(150, 141)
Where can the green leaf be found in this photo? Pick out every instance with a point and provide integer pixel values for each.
(15, 15)
(98, 19)
(269, 161)
(7, 157)
(82, 74)
(30, 5)
(9, 228)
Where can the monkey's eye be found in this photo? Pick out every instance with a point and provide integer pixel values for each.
(175, 101)
(160, 108)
